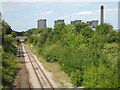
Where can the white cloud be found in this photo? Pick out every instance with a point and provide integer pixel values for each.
(15, 5)
(111, 10)
(83, 13)
(47, 13)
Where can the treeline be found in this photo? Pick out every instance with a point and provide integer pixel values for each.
(9, 62)
(89, 57)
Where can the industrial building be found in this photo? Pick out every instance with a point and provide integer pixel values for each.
(72, 22)
(90, 23)
(93, 23)
(59, 21)
(76, 21)
(42, 23)
(55, 22)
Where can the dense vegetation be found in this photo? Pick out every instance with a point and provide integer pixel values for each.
(89, 57)
(9, 61)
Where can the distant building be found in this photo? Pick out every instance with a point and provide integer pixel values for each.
(94, 23)
(59, 21)
(55, 22)
(72, 22)
(42, 23)
(75, 22)
(90, 23)
(118, 30)
(78, 21)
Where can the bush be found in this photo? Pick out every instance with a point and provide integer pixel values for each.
(97, 77)
(76, 78)
(8, 61)
(52, 53)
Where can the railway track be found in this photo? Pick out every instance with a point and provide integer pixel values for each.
(41, 76)
(20, 54)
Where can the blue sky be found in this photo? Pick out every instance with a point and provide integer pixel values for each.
(24, 15)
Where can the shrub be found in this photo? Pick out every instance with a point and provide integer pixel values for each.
(76, 77)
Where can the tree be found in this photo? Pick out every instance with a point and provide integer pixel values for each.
(87, 32)
(58, 27)
(103, 29)
(6, 29)
(112, 36)
(14, 34)
(80, 26)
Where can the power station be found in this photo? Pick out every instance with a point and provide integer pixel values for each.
(42, 23)
(72, 22)
(76, 21)
(59, 21)
(90, 23)
(93, 23)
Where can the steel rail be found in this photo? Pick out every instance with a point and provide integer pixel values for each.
(18, 52)
(28, 81)
(33, 67)
(40, 68)
(19, 84)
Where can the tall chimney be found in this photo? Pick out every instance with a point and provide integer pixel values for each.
(102, 15)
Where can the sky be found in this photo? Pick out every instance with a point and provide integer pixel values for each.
(24, 15)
